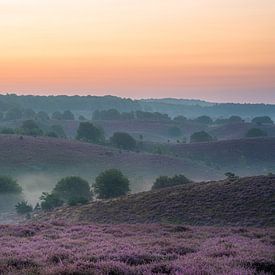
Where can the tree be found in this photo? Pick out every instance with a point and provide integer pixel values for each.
(231, 176)
(82, 118)
(58, 131)
(111, 184)
(235, 119)
(68, 115)
(255, 132)
(57, 115)
(73, 189)
(204, 120)
(50, 201)
(200, 137)
(30, 128)
(262, 120)
(180, 119)
(42, 116)
(23, 208)
(164, 181)
(9, 185)
(123, 141)
(90, 133)
(28, 114)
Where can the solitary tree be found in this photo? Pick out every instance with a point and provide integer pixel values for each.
(90, 133)
(73, 189)
(123, 141)
(110, 184)
(164, 181)
(262, 120)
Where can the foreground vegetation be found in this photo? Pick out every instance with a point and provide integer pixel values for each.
(59, 248)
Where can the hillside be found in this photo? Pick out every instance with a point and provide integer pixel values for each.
(246, 202)
(60, 157)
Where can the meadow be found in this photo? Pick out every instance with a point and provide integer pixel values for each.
(58, 248)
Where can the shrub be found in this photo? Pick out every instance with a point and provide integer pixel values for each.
(50, 201)
(23, 208)
(180, 119)
(73, 189)
(123, 141)
(68, 115)
(164, 181)
(110, 184)
(262, 120)
(90, 133)
(204, 120)
(30, 128)
(58, 130)
(57, 115)
(200, 137)
(77, 200)
(42, 116)
(7, 131)
(231, 176)
(255, 132)
(9, 185)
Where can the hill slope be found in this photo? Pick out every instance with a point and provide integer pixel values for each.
(247, 201)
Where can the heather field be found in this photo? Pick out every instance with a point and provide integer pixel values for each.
(58, 248)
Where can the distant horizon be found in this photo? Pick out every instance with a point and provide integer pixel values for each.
(207, 100)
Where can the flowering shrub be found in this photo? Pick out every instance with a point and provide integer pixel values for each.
(60, 248)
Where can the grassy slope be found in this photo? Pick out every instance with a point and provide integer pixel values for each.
(248, 201)
(71, 157)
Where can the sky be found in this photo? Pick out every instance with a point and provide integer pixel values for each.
(217, 50)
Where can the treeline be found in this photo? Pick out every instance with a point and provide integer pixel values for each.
(172, 107)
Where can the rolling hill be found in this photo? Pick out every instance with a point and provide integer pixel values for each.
(245, 202)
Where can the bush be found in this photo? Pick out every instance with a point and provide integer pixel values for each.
(73, 189)
(262, 120)
(123, 141)
(9, 185)
(164, 181)
(204, 120)
(110, 184)
(255, 132)
(50, 201)
(231, 176)
(58, 130)
(42, 116)
(77, 200)
(200, 137)
(30, 128)
(68, 115)
(7, 131)
(23, 208)
(90, 133)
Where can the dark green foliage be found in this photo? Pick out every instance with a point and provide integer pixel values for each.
(77, 200)
(68, 115)
(156, 116)
(50, 201)
(28, 114)
(123, 141)
(231, 176)
(8, 131)
(255, 132)
(204, 120)
(180, 119)
(57, 115)
(235, 119)
(174, 131)
(111, 184)
(73, 189)
(164, 181)
(30, 128)
(58, 131)
(13, 114)
(201, 136)
(23, 208)
(52, 134)
(42, 116)
(111, 114)
(9, 185)
(262, 120)
(90, 133)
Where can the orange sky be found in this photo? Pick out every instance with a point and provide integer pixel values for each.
(220, 50)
